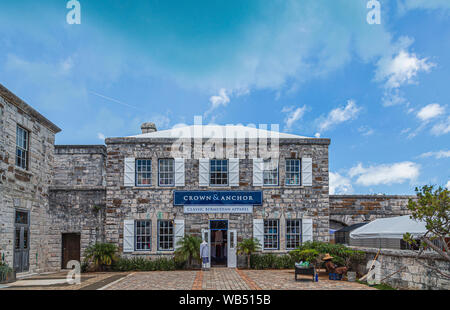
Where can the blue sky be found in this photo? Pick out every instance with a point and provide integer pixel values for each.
(316, 67)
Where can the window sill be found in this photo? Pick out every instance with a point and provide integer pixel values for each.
(21, 170)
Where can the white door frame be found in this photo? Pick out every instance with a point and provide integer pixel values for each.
(231, 245)
(206, 235)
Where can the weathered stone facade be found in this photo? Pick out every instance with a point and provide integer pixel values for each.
(353, 209)
(280, 202)
(25, 189)
(413, 273)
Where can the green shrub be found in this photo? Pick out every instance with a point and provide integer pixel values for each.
(100, 255)
(305, 255)
(144, 264)
(4, 270)
(271, 261)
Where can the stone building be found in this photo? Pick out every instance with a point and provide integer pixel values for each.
(222, 191)
(26, 155)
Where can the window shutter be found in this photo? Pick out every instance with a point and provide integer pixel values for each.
(203, 172)
(179, 232)
(258, 231)
(258, 171)
(306, 171)
(234, 171)
(179, 172)
(128, 236)
(307, 230)
(129, 171)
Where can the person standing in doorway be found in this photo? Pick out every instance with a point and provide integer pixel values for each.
(204, 254)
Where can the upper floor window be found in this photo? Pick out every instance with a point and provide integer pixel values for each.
(143, 235)
(22, 136)
(293, 234)
(166, 172)
(143, 172)
(292, 171)
(270, 172)
(165, 235)
(218, 172)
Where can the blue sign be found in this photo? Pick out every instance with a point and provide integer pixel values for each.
(182, 198)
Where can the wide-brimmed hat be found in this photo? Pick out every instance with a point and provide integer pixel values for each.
(327, 257)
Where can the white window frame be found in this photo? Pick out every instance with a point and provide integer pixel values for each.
(145, 172)
(293, 172)
(140, 234)
(166, 171)
(267, 170)
(268, 233)
(22, 145)
(171, 227)
(211, 173)
(297, 235)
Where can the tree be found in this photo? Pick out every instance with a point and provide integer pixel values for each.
(247, 247)
(432, 207)
(189, 249)
(101, 255)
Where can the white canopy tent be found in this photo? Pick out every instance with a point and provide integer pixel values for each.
(390, 228)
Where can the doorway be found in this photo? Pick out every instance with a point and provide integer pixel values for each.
(70, 248)
(21, 260)
(219, 235)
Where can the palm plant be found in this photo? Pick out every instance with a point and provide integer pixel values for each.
(189, 249)
(247, 247)
(101, 255)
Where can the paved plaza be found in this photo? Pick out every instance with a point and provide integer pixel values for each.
(213, 279)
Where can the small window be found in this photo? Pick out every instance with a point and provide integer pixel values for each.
(293, 234)
(21, 217)
(292, 172)
(22, 147)
(165, 235)
(271, 235)
(166, 172)
(143, 235)
(218, 172)
(144, 172)
(270, 173)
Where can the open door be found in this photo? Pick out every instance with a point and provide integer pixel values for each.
(206, 236)
(232, 244)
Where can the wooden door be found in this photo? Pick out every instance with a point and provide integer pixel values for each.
(70, 248)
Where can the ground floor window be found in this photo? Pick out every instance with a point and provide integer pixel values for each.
(271, 234)
(143, 235)
(293, 234)
(165, 235)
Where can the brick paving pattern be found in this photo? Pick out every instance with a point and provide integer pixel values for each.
(250, 283)
(157, 280)
(223, 279)
(198, 281)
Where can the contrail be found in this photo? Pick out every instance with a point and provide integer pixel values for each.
(113, 100)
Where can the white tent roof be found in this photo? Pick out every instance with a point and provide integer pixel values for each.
(217, 131)
(391, 228)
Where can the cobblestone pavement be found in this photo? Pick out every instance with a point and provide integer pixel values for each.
(229, 279)
(157, 280)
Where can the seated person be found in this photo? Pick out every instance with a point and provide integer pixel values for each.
(332, 268)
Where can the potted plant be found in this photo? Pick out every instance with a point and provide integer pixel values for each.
(189, 249)
(7, 274)
(101, 255)
(247, 247)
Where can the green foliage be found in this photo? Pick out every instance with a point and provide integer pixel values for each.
(248, 247)
(101, 255)
(432, 207)
(144, 264)
(189, 249)
(4, 271)
(306, 255)
(271, 261)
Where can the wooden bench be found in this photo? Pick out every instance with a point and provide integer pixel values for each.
(310, 270)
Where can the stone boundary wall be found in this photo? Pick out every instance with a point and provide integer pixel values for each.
(353, 209)
(414, 275)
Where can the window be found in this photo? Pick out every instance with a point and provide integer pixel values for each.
(22, 147)
(293, 234)
(165, 235)
(143, 236)
(218, 172)
(270, 234)
(143, 172)
(270, 173)
(292, 171)
(166, 172)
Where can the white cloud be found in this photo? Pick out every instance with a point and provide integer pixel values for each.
(448, 185)
(221, 99)
(340, 115)
(401, 69)
(441, 128)
(430, 111)
(385, 174)
(317, 135)
(437, 155)
(293, 115)
(423, 4)
(101, 136)
(340, 184)
(365, 130)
